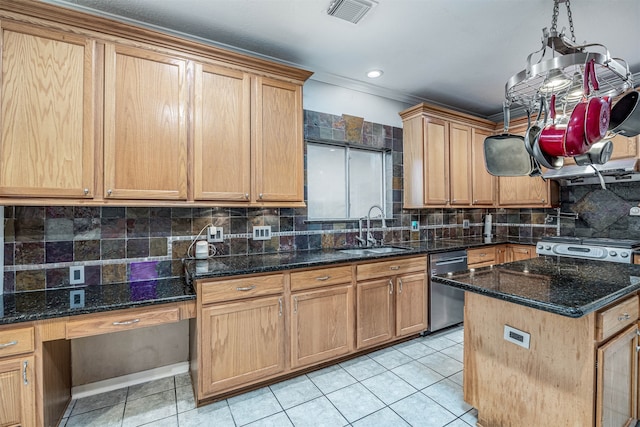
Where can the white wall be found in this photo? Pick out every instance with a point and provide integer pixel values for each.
(331, 99)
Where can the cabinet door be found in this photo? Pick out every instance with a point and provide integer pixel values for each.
(483, 184)
(523, 191)
(241, 342)
(222, 134)
(278, 141)
(413, 135)
(460, 164)
(47, 113)
(617, 381)
(17, 392)
(321, 325)
(624, 147)
(374, 312)
(411, 304)
(501, 254)
(436, 174)
(145, 135)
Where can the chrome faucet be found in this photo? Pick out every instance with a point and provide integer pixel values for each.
(361, 241)
(370, 238)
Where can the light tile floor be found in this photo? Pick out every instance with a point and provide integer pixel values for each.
(415, 383)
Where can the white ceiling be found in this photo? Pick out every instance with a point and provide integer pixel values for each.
(457, 53)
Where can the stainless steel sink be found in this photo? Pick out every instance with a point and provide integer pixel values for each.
(387, 250)
(373, 250)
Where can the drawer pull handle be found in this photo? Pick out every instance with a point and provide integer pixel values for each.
(624, 316)
(246, 288)
(8, 344)
(390, 286)
(280, 307)
(295, 305)
(24, 373)
(394, 267)
(399, 286)
(127, 322)
(323, 278)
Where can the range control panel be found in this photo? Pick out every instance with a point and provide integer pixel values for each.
(601, 253)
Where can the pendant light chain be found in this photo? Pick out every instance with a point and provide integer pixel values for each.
(554, 20)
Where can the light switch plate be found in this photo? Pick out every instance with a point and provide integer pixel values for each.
(465, 223)
(215, 234)
(415, 226)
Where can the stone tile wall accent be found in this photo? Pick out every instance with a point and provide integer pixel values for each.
(117, 244)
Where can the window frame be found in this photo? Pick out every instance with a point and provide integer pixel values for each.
(385, 155)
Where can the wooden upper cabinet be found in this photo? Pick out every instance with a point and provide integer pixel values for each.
(145, 135)
(483, 184)
(526, 191)
(460, 152)
(278, 141)
(624, 147)
(440, 159)
(222, 134)
(47, 146)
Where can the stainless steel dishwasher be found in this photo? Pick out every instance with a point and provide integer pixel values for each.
(446, 304)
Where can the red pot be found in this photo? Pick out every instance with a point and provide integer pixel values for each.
(598, 112)
(552, 137)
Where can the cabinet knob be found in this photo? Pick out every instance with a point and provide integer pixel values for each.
(260, 196)
(109, 191)
(86, 191)
(246, 196)
(542, 200)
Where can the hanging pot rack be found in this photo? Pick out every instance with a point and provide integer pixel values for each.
(567, 60)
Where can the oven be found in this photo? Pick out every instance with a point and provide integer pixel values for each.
(599, 249)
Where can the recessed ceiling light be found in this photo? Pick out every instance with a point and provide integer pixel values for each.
(374, 74)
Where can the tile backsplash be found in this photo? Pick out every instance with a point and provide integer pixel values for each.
(116, 244)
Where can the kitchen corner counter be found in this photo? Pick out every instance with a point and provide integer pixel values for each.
(566, 286)
(53, 303)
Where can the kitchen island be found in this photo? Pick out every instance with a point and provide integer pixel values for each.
(551, 341)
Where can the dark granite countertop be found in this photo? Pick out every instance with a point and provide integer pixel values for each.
(51, 303)
(566, 286)
(38, 305)
(253, 264)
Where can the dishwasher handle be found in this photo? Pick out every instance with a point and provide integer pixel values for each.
(451, 261)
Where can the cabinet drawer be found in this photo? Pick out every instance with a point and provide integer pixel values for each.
(481, 257)
(321, 277)
(121, 320)
(614, 319)
(392, 267)
(246, 287)
(16, 341)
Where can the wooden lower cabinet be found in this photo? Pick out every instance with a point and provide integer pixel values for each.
(321, 324)
(391, 300)
(242, 342)
(617, 381)
(520, 252)
(17, 392)
(411, 303)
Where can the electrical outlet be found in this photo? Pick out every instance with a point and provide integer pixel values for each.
(634, 211)
(76, 275)
(262, 232)
(415, 226)
(215, 234)
(465, 223)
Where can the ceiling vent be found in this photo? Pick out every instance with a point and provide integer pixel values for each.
(350, 10)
